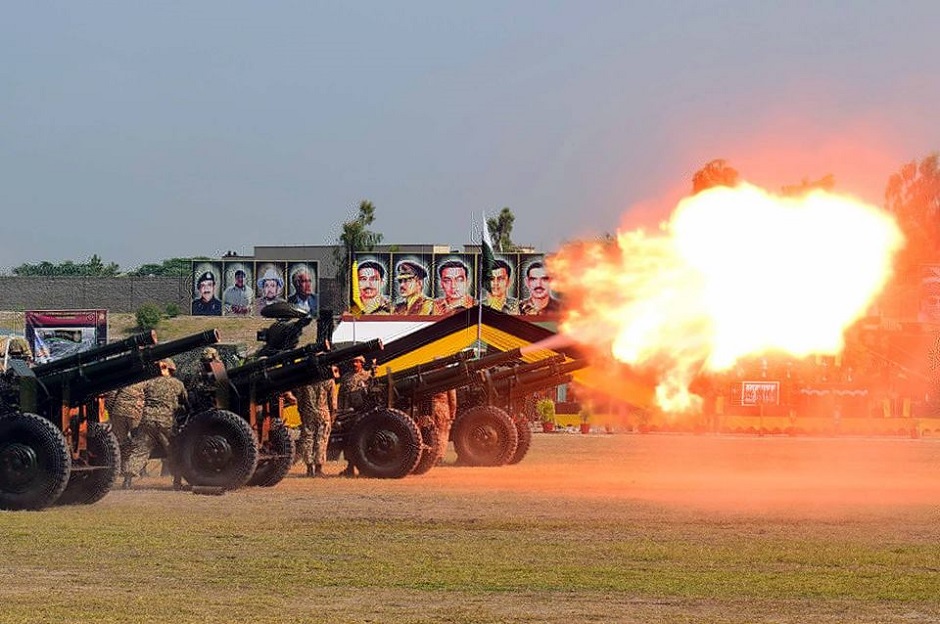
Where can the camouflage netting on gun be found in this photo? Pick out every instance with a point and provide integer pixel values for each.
(188, 367)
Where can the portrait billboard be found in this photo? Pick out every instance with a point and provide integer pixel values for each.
(303, 286)
(535, 287)
(370, 284)
(239, 293)
(454, 282)
(206, 281)
(412, 283)
(928, 295)
(503, 292)
(54, 334)
(269, 284)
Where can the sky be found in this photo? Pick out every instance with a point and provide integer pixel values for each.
(141, 131)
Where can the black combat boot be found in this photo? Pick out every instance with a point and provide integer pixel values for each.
(310, 472)
(128, 480)
(318, 471)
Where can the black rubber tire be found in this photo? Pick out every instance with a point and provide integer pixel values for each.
(275, 458)
(93, 474)
(385, 444)
(35, 462)
(484, 436)
(216, 448)
(428, 457)
(525, 439)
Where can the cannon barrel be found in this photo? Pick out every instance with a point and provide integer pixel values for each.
(427, 367)
(99, 376)
(514, 371)
(454, 376)
(522, 390)
(249, 368)
(98, 353)
(280, 374)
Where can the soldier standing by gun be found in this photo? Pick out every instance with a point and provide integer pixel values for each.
(164, 398)
(125, 408)
(351, 385)
(316, 403)
(443, 411)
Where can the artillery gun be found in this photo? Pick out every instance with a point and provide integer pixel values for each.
(236, 436)
(504, 390)
(53, 447)
(386, 435)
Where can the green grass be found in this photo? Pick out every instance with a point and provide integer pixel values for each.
(466, 545)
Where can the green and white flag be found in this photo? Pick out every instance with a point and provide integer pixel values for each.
(487, 259)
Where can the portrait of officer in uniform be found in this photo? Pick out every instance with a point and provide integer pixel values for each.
(540, 300)
(411, 278)
(206, 303)
(454, 283)
(498, 296)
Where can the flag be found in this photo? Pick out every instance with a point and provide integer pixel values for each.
(356, 297)
(487, 259)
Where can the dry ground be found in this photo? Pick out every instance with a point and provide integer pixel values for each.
(598, 528)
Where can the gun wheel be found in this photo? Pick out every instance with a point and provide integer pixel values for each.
(429, 440)
(276, 457)
(385, 444)
(485, 436)
(93, 473)
(525, 439)
(216, 448)
(34, 462)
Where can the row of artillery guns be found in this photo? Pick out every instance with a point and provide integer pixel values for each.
(389, 433)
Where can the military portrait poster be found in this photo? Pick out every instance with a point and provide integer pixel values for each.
(412, 284)
(463, 268)
(238, 284)
(371, 284)
(303, 287)
(928, 295)
(504, 295)
(207, 282)
(55, 334)
(544, 300)
(270, 283)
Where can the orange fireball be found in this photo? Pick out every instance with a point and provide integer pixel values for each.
(735, 272)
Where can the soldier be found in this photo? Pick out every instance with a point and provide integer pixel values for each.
(410, 277)
(498, 298)
(443, 410)
(202, 392)
(316, 403)
(164, 399)
(351, 386)
(125, 408)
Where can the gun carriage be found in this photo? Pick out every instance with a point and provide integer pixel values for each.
(236, 435)
(53, 447)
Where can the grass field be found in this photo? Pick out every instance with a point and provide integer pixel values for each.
(618, 528)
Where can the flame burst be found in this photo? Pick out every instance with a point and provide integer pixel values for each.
(735, 272)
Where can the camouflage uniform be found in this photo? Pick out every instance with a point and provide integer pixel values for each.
(349, 384)
(125, 408)
(316, 403)
(164, 398)
(443, 410)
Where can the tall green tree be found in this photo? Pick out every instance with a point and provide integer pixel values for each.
(94, 267)
(715, 173)
(354, 237)
(173, 267)
(500, 228)
(913, 195)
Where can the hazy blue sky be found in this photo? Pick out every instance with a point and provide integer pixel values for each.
(142, 131)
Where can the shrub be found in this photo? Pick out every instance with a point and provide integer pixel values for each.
(546, 410)
(172, 310)
(148, 316)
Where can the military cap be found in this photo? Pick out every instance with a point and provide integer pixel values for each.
(239, 272)
(209, 354)
(206, 277)
(407, 270)
(270, 274)
(372, 264)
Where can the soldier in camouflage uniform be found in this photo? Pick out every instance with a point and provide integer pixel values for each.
(125, 408)
(316, 403)
(349, 397)
(443, 410)
(164, 399)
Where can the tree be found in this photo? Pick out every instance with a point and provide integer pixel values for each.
(173, 267)
(500, 228)
(825, 183)
(95, 267)
(715, 173)
(913, 195)
(356, 236)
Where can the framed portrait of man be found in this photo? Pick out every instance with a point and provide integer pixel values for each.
(412, 284)
(239, 291)
(303, 286)
(207, 278)
(535, 283)
(269, 280)
(454, 279)
(370, 291)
